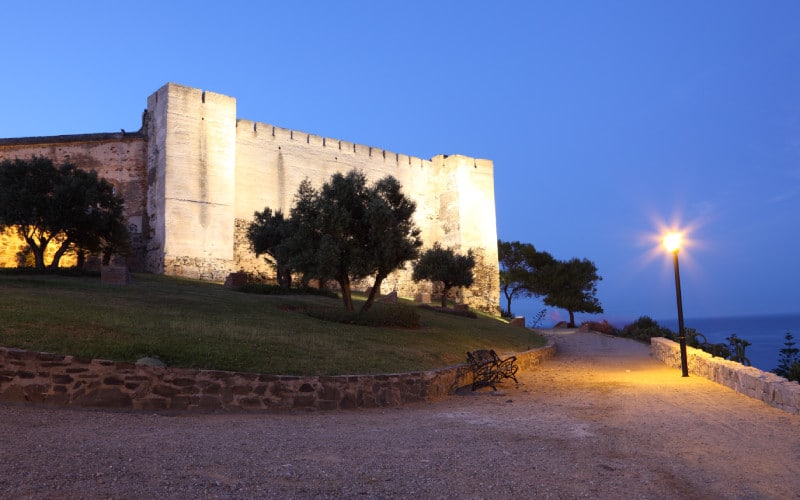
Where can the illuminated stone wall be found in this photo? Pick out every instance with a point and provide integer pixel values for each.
(191, 159)
(765, 386)
(119, 157)
(194, 175)
(454, 195)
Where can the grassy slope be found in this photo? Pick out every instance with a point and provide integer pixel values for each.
(204, 325)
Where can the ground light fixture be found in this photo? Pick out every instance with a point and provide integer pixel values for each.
(672, 242)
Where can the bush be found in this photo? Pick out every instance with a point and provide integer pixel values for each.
(266, 289)
(379, 315)
(58, 271)
(537, 320)
(698, 340)
(600, 327)
(466, 313)
(644, 329)
(794, 372)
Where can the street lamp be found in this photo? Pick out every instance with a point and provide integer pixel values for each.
(672, 242)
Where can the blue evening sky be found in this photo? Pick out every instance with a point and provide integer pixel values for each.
(606, 120)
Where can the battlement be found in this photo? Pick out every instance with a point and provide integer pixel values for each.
(195, 173)
(266, 131)
(73, 138)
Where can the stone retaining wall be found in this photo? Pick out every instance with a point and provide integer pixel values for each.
(70, 381)
(770, 388)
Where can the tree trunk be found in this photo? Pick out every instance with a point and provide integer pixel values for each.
(571, 319)
(38, 257)
(60, 252)
(373, 292)
(508, 308)
(444, 296)
(288, 278)
(81, 260)
(284, 276)
(38, 252)
(347, 297)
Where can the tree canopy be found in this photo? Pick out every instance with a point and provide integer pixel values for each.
(65, 204)
(345, 231)
(445, 266)
(267, 233)
(521, 268)
(572, 285)
(392, 237)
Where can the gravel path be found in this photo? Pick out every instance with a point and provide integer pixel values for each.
(601, 420)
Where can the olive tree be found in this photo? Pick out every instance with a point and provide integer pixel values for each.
(348, 230)
(65, 204)
(521, 269)
(445, 266)
(572, 285)
(267, 234)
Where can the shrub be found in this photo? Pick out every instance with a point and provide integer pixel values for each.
(58, 271)
(379, 315)
(601, 327)
(794, 372)
(266, 289)
(537, 320)
(738, 347)
(466, 313)
(644, 329)
(698, 340)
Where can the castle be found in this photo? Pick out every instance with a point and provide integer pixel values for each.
(194, 174)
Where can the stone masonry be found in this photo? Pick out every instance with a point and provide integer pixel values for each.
(193, 176)
(767, 387)
(36, 377)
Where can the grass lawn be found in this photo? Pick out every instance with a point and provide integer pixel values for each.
(196, 324)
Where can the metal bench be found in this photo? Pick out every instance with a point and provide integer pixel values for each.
(488, 369)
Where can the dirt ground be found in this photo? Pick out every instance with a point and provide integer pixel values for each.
(601, 420)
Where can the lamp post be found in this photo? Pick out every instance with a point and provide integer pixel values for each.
(672, 242)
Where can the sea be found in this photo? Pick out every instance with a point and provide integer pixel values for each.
(766, 334)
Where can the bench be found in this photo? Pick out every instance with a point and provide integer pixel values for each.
(488, 369)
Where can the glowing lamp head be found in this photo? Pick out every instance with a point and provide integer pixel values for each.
(672, 242)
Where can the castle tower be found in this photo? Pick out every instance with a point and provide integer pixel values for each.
(466, 220)
(191, 182)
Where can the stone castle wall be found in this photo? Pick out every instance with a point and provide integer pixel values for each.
(120, 158)
(454, 195)
(195, 174)
(192, 158)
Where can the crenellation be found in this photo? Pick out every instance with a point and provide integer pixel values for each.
(195, 174)
(347, 147)
(315, 141)
(247, 125)
(282, 133)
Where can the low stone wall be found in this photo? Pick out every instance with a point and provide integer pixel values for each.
(770, 388)
(70, 381)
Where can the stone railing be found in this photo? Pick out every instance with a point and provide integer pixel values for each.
(71, 381)
(770, 388)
